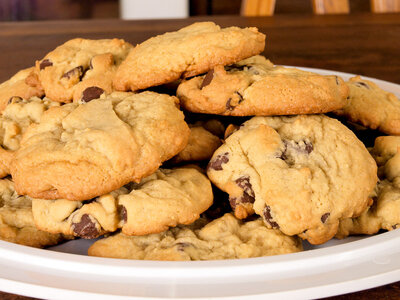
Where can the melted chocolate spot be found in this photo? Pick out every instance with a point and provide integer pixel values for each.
(123, 214)
(75, 72)
(91, 93)
(248, 195)
(45, 63)
(325, 217)
(216, 164)
(362, 84)
(207, 79)
(268, 218)
(85, 228)
(395, 226)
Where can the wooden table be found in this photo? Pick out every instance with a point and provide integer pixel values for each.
(365, 44)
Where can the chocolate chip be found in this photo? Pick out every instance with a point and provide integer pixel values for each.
(123, 214)
(216, 164)
(301, 147)
(337, 80)
(182, 246)
(362, 84)
(309, 147)
(247, 196)
(395, 226)
(45, 63)
(91, 93)
(86, 228)
(230, 106)
(14, 99)
(207, 79)
(75, 72)
(325, 217)
(268, 217)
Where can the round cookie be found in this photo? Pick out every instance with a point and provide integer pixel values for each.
(256, 87)
(78, 152)
(301, 174)
(164, 199)
(81, 68)
(384, 213)
(16, 220)
(15, 119)
(192, 50)
(223, 238)
(17, 86)
(364, 95)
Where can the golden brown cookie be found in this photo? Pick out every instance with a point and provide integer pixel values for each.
(255, 87)
(302, 174)
(164, 199)
(223, 238)
(81, 68)
(78, 152)
(371, 106)
(192, 50)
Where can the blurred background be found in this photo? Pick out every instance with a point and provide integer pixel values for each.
(30, 10)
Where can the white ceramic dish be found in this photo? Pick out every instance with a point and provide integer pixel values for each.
(334, 268)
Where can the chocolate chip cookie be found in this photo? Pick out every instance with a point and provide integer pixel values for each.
(256, 87)
(162, 200)
(16, 221)
(78, 152)
(17, 86)
(301, 174)
(14, 121)
(192, 50)
(81, 68)
(223, 238)
(371, 106)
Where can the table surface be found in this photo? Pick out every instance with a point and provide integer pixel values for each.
(365, 44)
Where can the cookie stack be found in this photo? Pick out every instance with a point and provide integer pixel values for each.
(85, 131)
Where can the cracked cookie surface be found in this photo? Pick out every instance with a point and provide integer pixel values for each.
(81, 69)
(223, 238)
(256, 87)
(301, 174)
(78, 152)
(364, 94)
(192, 50)
(162, 200)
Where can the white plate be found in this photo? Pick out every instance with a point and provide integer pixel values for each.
(334, 268)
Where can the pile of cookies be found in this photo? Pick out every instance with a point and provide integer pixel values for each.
(191, 146)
